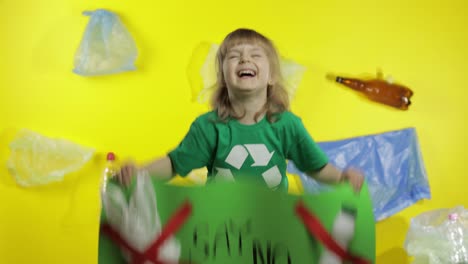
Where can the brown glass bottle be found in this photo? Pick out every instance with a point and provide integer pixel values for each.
(380, 91)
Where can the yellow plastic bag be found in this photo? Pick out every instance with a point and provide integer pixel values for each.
(37, 160)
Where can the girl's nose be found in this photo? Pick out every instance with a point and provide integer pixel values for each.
(244, 59)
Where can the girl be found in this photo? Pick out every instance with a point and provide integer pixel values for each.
(250, 134)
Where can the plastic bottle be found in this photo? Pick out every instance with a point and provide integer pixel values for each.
(342, 232)
(455, 234)
(379, 90)
(110, 171)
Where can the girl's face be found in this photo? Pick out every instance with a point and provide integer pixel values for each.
(246, 68)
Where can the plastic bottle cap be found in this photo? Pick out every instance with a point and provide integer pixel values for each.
(453, 216)
(349, 209)
(110, 156)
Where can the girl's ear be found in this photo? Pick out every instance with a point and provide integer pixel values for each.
(271, 77)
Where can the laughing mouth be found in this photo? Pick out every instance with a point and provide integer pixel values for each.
(246, 73)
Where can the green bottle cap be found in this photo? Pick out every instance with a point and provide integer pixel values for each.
(349, 209)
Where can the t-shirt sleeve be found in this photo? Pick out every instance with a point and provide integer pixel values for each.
(303, 150)
(195, 150)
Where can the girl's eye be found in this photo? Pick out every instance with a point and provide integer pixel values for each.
(256, 55)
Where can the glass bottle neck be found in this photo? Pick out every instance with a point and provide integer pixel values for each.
(351, 83)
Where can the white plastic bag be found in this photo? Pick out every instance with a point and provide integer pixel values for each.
(107, 47)
(437, 237)
(138, 220)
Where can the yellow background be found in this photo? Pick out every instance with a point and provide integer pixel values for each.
(143, 114)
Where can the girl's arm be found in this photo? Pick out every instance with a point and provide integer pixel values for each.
(330, 174)
(327, 174)
(160, 168)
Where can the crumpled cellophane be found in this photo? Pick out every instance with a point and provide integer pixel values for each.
(38, 160)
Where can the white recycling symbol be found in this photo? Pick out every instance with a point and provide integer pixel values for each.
(261, 157)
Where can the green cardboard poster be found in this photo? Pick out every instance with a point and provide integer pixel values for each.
(229, 223)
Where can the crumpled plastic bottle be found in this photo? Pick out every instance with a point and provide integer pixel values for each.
(439, 237)
(456, 235)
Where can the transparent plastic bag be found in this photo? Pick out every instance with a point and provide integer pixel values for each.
(436, 237)
(201, 72)
(138, 220)
(107, 47)
(37, 160)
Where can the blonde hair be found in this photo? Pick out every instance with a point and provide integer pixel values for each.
(277, 96)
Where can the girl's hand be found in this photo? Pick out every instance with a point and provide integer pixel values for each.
(354, 177)
(126, 173)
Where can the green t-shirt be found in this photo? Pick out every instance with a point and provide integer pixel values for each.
(258, 152)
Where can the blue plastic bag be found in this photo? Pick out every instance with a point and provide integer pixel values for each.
(106, 48)
(392, 164)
